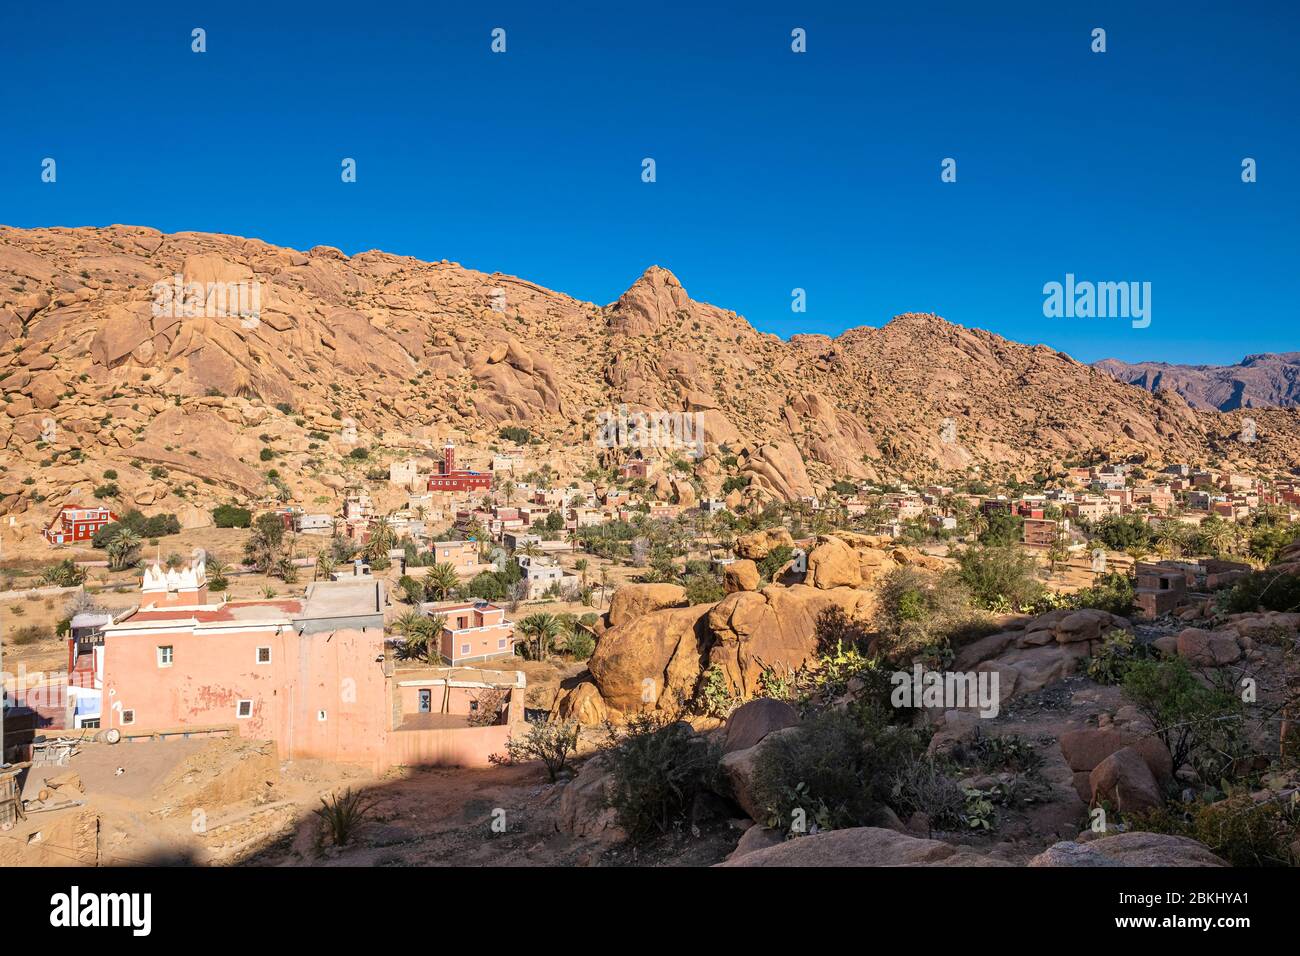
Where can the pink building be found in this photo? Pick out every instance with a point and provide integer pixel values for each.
(473, 631)
(310, 673)
(305, 672)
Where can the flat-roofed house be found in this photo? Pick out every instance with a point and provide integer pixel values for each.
(473, 631)
(74, 523)
(306, 672)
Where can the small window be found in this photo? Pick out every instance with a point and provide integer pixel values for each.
(464, 649)
(128, 716)
(501, 644)
(244, 709)
(165, 656)
(91, 724)
(320, 715)
(263, 655)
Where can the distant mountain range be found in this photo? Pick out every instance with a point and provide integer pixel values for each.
(1257, 381)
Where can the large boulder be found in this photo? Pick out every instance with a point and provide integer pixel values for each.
(757, 545)
(751, 722)
(584, 809)
(1085, 749)
(864, 846)
(1208, 648)
(1134, 848)
(631, 601)
(1124, 781)
(583, 704)
(741, 575)
(833, 564)
(738, 767)
(653, 660)
(778, 469)
(772, 628)
(756, 838)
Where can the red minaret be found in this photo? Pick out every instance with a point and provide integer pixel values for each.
(448, 458)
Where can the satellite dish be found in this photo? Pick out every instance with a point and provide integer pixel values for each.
(112, 735)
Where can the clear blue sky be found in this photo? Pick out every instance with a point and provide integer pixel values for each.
(775, 170)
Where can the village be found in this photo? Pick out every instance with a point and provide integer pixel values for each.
(455, 615)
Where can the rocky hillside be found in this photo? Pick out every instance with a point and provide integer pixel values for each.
(1257, 381)
(382, 350)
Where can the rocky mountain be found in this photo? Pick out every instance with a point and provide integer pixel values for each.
(1257, 381)
(394, 355)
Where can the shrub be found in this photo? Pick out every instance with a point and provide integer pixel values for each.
(659, 767)
(29, 634)
(922, 786)
(1200, 725)
(231, 516)
(1239, 829)
(704, 589)
(580, 644)
(775, 560)
(836, 631)
(1263, 590)
(999, 577)
(837, 770)
(713, 696)
(1116, 654)
(343, 813)
(1111, 592)
(549, 742)
(65, 574)
(917, 613)
(515, 433)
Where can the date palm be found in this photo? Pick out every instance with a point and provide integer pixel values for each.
(440, 580)
(325, 565)
(122, 549)
(541, 629)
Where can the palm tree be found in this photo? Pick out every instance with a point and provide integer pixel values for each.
(542, 629)
(325, 565)
(217, 571)
(530, 549)
(440, 580)
(419, 634)
(1170, 537)
(581, 567)
(382, 538)
(1215, 536)
(122, 549)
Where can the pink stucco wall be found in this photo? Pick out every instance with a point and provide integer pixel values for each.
(335, 672)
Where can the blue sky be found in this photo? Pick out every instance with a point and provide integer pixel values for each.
(774, 170)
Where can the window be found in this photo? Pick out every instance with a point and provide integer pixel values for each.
(263, 655)
(244, 709)
(426, 701)
(128, 716)
(90, 724)
(320, 715)
(165, 656)
(501, 644)
(464, 649)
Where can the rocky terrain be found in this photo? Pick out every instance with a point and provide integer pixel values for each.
(1257, 381)
(383, 350)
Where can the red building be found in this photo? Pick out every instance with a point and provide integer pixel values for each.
(74, 523)
(449, 479)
